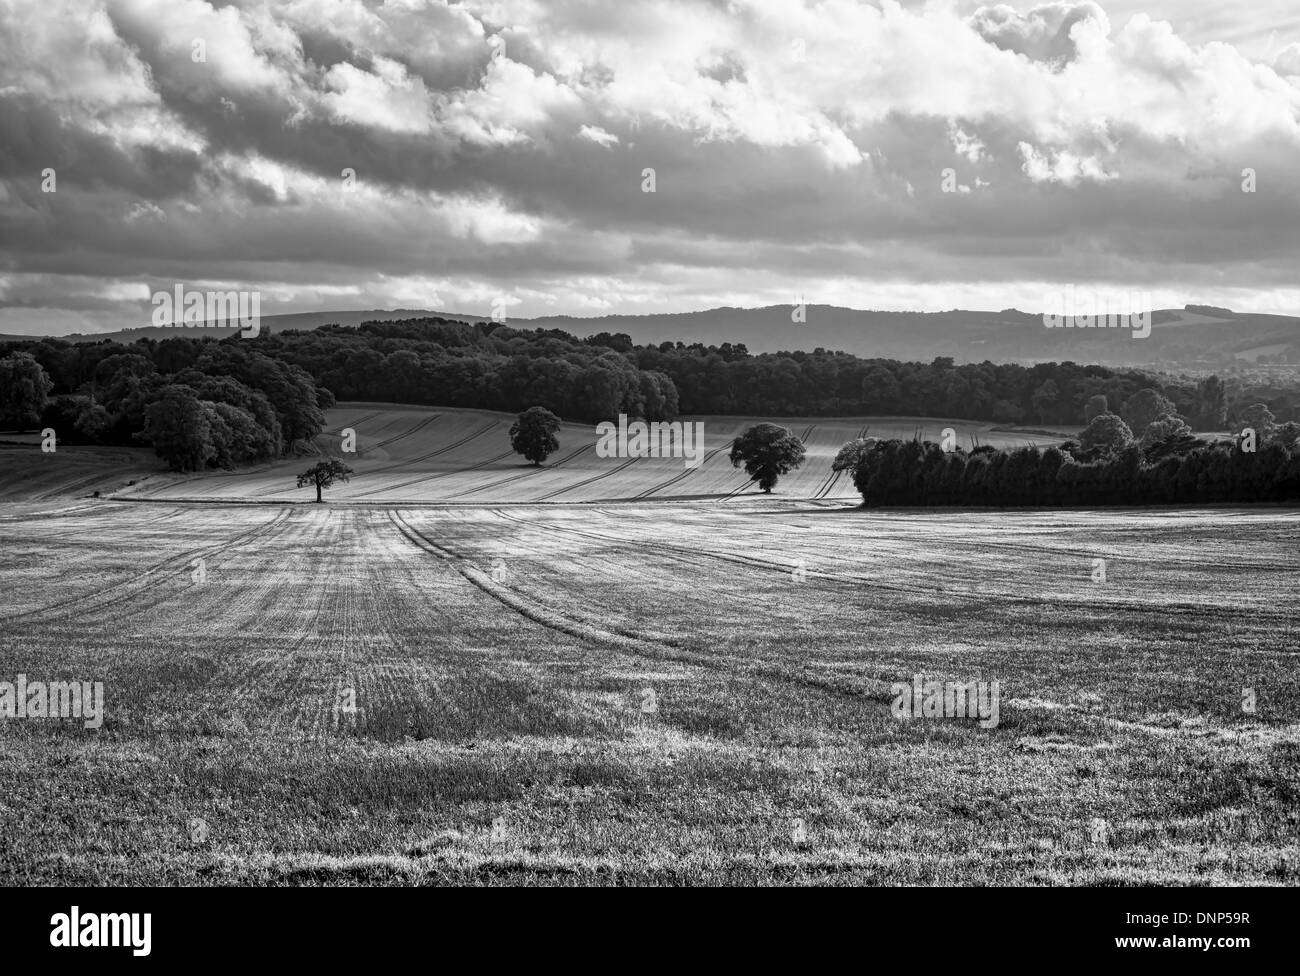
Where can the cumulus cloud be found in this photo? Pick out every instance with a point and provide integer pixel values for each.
(1043, 34)
(800, 141)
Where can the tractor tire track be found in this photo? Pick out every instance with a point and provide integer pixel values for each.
(676, 479)
(588, 481)
(523, 474)
(122, 590)
(424, 457)
(689, 555)
(402, 436)
(834, 477)
(630, 641)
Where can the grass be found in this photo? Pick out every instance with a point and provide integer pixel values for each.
(499, 661)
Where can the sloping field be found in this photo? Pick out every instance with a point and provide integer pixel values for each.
(27, 474)
(650, 693)
(415, 454)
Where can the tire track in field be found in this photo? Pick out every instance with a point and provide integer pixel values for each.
(133, 605)
(690, 556)
(87, 529)
(72, 487)
(274, 678)
(402, 436)
(630, 641)
(424, 457)
(588, 481)
(1086, 555)
(50, 514)
(395, 465)
(676, 479)
(834, 477)
(523, 474)
(365, 419)
(121, 591)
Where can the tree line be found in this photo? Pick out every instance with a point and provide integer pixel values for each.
(200, 405)
(1106, 465)
(207, 403)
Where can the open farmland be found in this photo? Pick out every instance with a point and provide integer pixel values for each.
(673, 692)
(435, 454)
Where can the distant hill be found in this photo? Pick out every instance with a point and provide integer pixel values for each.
(1195, 334)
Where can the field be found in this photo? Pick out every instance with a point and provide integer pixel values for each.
(441, 454)
(511, 687)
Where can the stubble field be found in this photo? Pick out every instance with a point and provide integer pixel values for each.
(658, 692)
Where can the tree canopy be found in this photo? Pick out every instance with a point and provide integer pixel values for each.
(767, 451)
(533, 434)
(323, 474)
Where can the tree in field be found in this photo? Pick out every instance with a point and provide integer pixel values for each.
(323, 474)
(533, 434)
(24, 390)
(1095, 407)
(767, 452)
(1106, 434)
(1144, 407)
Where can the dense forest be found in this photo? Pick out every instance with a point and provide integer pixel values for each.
(202, 402)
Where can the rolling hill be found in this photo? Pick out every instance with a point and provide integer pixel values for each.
(1190, 336)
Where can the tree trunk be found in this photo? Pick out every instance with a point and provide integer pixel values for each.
(318, 493)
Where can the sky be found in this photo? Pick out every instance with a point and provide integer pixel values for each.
(499, 156)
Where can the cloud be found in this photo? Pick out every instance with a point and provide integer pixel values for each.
(1043, 34)
(598, 135)
(500, 145)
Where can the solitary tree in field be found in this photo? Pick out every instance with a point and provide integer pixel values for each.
(533, 434)
(767, 451)
(323, 475)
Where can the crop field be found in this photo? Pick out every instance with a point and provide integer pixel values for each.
(417, 454)
(653, 692)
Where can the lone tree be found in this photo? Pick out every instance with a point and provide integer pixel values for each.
(533, 434)
(323, 475)
(767, 451)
